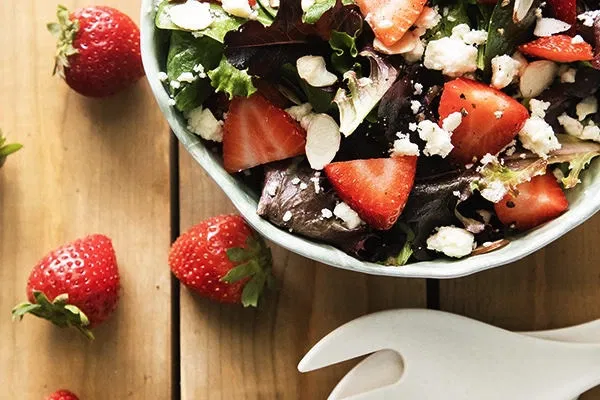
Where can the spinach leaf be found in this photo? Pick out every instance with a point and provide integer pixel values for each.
(185, 53)
(457, 14)
(504, 34)
(321, 99)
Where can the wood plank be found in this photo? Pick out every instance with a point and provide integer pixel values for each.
(228, 352)
(553, 288)
(87, 166)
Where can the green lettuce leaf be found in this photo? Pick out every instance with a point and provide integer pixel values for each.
(223, 23)
(185, 53)
(406, 251)
(577, 154)
(344, 51)
(228, 79)
(299, 91)
(364, 93)
(314, 13)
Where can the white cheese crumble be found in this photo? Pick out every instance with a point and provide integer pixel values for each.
(326, 213)
(348, 215)
(504, 71)
(314, 71)
(192, 15)
(577, 39)
(451, 55)
(239, 8)
(295, 181)
(186, 77)
(488, 159)
(452, 121)
(287, 216)
(498, 114)
(588, 17)
(452, 241)
(418, 89)
(586, 107)
(568, 75)
(575, 128)
(202, 122)
(404, 147)
(538, 136)
(437, 139)
(199, 69)
(412, 126)
(171, 102)
(415, 105)
(494, 191)
(175, 84)
(538, 107)
(303, 186)
(162, 76)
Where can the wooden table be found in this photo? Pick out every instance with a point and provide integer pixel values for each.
(111, 166)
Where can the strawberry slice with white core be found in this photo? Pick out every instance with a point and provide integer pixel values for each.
(391, 19)
(257, 132)
(377, 189)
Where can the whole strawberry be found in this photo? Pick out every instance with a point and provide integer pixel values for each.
(75, 285)
(62, 395)
(223, 259)
(98, 50)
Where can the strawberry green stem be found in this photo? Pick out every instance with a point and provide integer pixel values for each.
(7, 149)
(65, 31)
(59, 312)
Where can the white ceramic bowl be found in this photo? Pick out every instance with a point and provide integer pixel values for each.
(584, 200)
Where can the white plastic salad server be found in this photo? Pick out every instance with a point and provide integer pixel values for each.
(442, 355)
(385, 366)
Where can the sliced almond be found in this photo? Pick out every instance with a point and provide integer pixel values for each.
(322, 140)
(537, 77)
(314, 71)
(550, 26)
(521, 9)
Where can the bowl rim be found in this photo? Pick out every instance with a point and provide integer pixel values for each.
(517, 249)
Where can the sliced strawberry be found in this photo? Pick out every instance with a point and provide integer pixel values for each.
(256, 132)
(559, 48)
(538, 201)
(565, 10)
(390, 19)
(377, 189)
(481, 131)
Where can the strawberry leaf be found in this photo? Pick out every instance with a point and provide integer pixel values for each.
(253, 290)
(59, 312)
(242, 271)
(237, 254)
(65, 31)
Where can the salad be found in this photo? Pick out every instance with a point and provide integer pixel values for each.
(395, 130)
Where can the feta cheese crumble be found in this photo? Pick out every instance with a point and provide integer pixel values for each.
(568, 75)
(287, 216)
(418, 89)
(192, 15)
(415, 105)
(326, 213)
(498, 114)
(575, 128)
(577, 39)
(203, 123)
(452, 241)
(452, 121)
(404, 147)
(348, 215)
(239, 8)
(437, 139)
(588, 17)
(186, 77)
(175, 84)
(586, 107)
(494, 191)
(538, 136)
(451, 55)
(162, 76)
(538, 107)
(504, 71)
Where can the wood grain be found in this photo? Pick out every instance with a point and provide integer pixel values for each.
(228, 352)
(553, 288)
(87, 166)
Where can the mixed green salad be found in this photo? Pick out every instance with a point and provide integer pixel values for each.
(396, 130)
